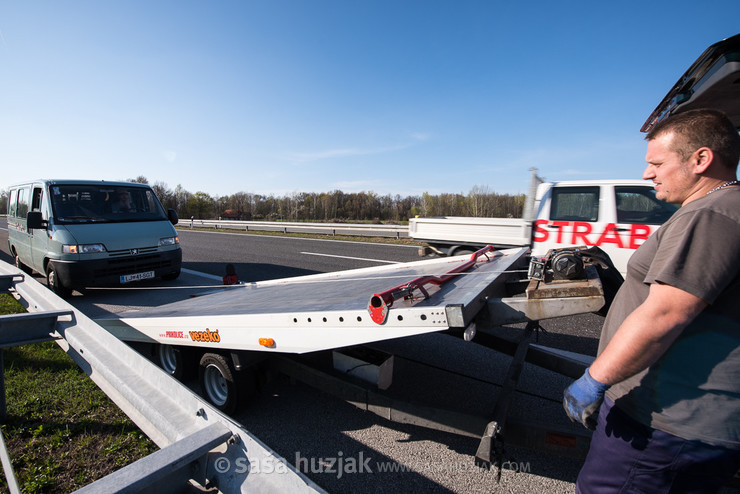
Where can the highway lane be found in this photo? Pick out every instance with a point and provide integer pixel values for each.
(4, 255)
(263, 257)
(314, 430)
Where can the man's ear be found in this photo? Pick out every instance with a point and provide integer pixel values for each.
(703, 158)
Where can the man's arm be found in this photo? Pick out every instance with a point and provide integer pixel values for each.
(646, 334)
(643, 338)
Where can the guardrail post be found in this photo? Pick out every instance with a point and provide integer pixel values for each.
(8, 467)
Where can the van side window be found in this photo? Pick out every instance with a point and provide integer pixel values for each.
(639, 205)
(13, 200)
(22, 207)
(574, 204)
(36, 201)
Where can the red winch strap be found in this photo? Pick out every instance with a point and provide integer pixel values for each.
(381, 302)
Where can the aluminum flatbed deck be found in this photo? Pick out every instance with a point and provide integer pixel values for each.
(320, 312)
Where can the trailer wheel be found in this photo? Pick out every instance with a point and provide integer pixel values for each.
(55, 284)
(175, 361)
(223, 386)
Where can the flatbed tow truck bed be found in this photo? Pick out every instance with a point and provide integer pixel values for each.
(272, 323)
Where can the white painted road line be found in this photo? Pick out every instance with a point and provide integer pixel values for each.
(202, 275)
(348, 257)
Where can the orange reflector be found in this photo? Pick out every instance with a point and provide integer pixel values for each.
(268, 342)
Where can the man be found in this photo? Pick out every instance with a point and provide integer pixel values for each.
(124, 203)
(669, 355)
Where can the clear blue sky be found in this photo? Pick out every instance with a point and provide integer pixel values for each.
(390, 96)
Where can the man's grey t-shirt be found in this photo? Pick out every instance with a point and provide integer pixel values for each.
(693, 390)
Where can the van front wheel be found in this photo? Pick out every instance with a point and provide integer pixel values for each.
(19, 264)
(55, 284)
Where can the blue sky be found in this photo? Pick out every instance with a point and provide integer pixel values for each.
(394, 97)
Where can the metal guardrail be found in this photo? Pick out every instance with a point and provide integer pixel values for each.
(197, 441)
(362, 229)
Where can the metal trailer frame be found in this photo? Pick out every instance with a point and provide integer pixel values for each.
(465, 295)
(494, 430)
(193, 435)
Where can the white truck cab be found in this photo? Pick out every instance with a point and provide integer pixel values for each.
(614, 215)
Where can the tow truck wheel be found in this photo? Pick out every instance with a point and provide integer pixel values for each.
(223, 386)
(217, 382)
(55, 284)
(174, 361)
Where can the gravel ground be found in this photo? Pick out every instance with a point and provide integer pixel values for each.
(311, 428)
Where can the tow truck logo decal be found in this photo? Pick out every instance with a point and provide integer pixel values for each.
(174, 334)
(206, 336)
(581, 233)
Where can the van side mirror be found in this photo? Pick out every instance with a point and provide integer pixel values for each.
(34, 221)
(172, 216)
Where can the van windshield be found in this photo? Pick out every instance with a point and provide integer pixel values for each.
(86, 203)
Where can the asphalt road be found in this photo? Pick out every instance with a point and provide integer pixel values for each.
(263, 257)
(342, 448)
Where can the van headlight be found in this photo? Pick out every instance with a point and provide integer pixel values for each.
(169, 241)
(83, 249)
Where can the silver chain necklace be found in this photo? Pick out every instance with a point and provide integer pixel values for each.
(726, 184)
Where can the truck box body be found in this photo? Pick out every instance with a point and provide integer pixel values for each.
(463, 230)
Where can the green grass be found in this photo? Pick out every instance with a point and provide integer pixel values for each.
(62, 432)
(9, 305)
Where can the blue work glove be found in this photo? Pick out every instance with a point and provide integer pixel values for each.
(582, 400)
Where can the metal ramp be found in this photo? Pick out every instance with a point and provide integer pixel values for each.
(321, 312)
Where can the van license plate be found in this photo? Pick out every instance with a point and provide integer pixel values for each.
(136, 277)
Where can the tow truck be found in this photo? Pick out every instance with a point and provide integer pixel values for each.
(232, 335)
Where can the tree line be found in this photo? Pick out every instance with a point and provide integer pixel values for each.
(334, 206)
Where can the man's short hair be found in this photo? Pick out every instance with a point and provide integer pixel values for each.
(702, 128)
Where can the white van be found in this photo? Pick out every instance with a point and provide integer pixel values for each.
(83, 233)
